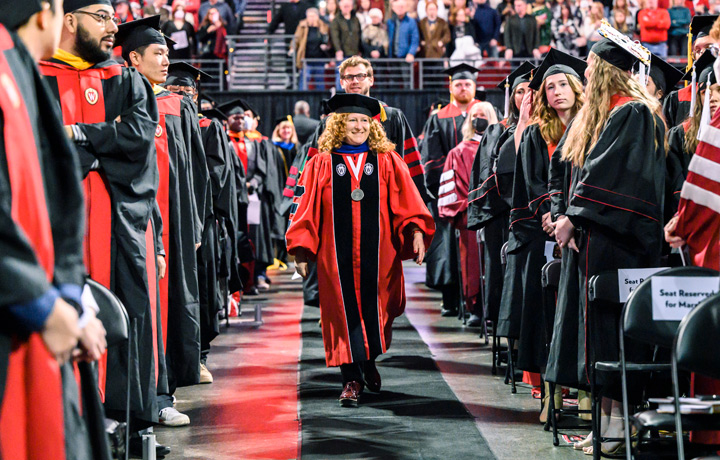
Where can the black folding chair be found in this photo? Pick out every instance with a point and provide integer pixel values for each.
(695, 350)
(116, 321)
(550, 282)
(636, 323)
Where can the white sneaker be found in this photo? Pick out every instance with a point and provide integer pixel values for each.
(205, 375)
(171, 417)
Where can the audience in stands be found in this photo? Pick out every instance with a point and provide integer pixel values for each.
(223, 9)
(329, 11)
(522, 39)
(363, 12)
(680, 17)
(311, 42)
(157, 7)
(290, 14)
(375, 41)
(345, 31)
(487, 24)
(434, 32)
(402, 32)
(654, 23)
(181, 32)
(211, 36)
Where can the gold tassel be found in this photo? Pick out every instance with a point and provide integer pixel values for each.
(451, 96)
(689, 52)
(289, 118)
(383, 115)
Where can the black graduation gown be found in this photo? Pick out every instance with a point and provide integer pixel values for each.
(398, 131)
(521, 309)
(284, 159)
(225, 208)
(27, 109)
(677, 161)
(442, 133)
(183, 296)
(676, 106)
(245, 250)
(618, 218)
(120, 159)
(489, 212)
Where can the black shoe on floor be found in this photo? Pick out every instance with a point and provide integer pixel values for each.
(447, 313)
(136, 449)
(474, 321)
(252, 291)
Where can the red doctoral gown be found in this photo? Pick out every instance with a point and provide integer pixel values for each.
(360, 294)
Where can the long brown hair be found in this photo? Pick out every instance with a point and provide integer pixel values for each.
(336, 128)
(605, 80)
(551, 127)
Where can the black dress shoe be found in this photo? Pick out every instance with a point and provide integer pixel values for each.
(372, 376)
(136, 449)
(252, 291)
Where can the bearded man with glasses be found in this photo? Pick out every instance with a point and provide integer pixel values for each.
(110, 113)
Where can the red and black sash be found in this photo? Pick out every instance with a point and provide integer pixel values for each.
(348, 218)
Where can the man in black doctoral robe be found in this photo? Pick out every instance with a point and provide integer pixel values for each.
(442, 133)
(41, 269)
(112, 117)
(217, 252)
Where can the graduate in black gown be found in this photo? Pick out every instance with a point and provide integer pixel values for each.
(677, 105)
(611, 221)
(145, 48)
(556, 98)
(41, 269)
(682, 139)
(259, 160)
(112, 116)
(486, 208)
(442, 133)
(285, 139)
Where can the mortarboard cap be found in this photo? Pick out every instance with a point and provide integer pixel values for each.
(184, 74)
(556, 62)
(462, 72)
(141, 32)
(354, 103)
(517, 76)
(282, 119)
(214, 114)
(664, 75)
(707, 72)
(701, 24)
(74, 5)
(13, 14)
(703, 62)
(617, 49)
(235, 107)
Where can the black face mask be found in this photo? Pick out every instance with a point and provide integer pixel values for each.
(480, 125)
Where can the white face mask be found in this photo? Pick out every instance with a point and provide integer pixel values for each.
(179, 14)
(248, 123)
(214, 17)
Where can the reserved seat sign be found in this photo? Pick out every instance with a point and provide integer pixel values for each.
(630, 278)
(673, 297)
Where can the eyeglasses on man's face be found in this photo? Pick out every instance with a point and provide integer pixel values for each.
(359, 77)
(102, 18)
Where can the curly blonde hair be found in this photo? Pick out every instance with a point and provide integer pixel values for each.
(551, 127)
(336, 128)
(605, 80)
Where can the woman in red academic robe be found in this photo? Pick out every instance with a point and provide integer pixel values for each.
(358, 214)
(453, 202)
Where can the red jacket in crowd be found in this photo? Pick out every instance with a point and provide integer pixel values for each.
(654, 25)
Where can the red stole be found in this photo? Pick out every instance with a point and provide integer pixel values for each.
(31, 417)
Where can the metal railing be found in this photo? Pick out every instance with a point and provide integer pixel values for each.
(263, 63)
(214, 67)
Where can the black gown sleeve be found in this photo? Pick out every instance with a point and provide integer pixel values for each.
(677, 162)
(620, 188)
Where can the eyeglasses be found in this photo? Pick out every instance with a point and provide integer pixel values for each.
(100, 17)
(360, 77)
(181, 89)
